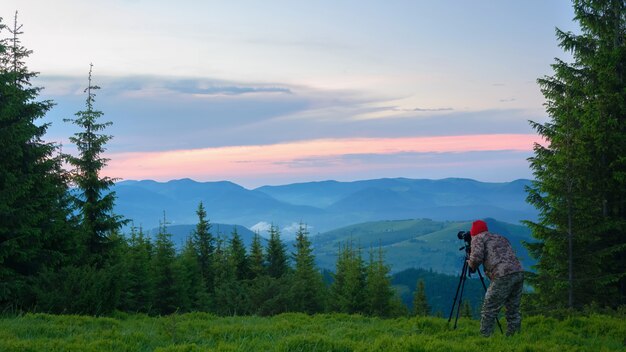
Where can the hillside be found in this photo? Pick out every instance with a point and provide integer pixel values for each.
(323, 206)
(417, 243)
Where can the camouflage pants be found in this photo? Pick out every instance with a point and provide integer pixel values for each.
(504, 291)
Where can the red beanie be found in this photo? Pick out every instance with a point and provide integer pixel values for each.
(478, 226)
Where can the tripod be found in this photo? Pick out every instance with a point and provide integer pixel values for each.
(465, 272)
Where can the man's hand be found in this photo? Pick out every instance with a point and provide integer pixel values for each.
(471, 268)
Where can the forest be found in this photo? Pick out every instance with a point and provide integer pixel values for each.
(62, 250)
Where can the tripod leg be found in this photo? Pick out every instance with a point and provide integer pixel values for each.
(456, 295)
(458, 308)
(482, 280)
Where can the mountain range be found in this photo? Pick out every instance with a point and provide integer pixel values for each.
(323, 206)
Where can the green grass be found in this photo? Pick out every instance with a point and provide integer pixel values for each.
(299, 332)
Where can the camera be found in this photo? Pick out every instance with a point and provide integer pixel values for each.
(465, 236)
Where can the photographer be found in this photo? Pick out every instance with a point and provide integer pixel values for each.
(506, 275)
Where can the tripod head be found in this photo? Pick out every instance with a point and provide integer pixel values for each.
(467, 238)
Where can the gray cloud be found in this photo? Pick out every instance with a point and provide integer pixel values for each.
(423, 109)
(163, 113)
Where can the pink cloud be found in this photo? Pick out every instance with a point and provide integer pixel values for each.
(233, 162)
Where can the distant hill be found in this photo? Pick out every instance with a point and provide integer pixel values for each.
(421, 243)
(323, 206)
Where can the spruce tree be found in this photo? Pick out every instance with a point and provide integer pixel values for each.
(94, 200)
(420, 301)
(35, 229)
(166, 299)
(238, 258)
(307, 287)
(137, 295)
(348, 289)
(276, 254)
(379, 292)
(204, 243)
(257, 258)
(190, 284)
(580, 182)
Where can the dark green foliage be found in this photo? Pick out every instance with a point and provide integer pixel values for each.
(276, 254)
(190, 282)
(420, 301)
(257, 258)
(347, 293)
(580, 187)
(307, 288)
(439, 289)
(138, 292)
(36, 231)
(94, 203)
(378, 290)
(238, 258)
(166, 296)
(204, 243)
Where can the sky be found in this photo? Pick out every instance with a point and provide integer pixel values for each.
(276, 92)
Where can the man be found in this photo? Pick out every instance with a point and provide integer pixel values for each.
(506, 275)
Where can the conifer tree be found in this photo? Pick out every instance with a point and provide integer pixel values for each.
(579, 186)
(204, 243)
(190, 284)
(166, 298)
(307, 287)
(379, 292)
(257, 258)
(276, 254)
(348, 288)
(94, 200)
(420, 301)
(35, 228)
(237, 256)
(137, 295)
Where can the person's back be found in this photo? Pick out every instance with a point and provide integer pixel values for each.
(506, 275)
(496, 255)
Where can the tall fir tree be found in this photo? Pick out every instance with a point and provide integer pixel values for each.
(379, 292)
(347, 293)
(276, 254)
(580, 172)
(238, 257)
(257, 257)
(166, 296)
(204, 243)
(94, 200)
(307, 287)
(36, 231)
(421, 307)
(138, 291)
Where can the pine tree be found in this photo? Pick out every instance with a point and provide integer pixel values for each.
(166, 298)
(420, 301)
(257, 258)
(276, 254)
(379, 292)
(94, 200)
(237, 256)
(580, 182)
(137, 295)
(307, 287)
(190, 284)
(348, 289)
(204, 243)
(35, 228)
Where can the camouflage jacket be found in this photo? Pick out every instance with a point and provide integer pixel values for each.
(495, 253)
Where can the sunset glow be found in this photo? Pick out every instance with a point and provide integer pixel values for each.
(313, 156)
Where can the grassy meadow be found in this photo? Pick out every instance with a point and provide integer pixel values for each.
(299, 332)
